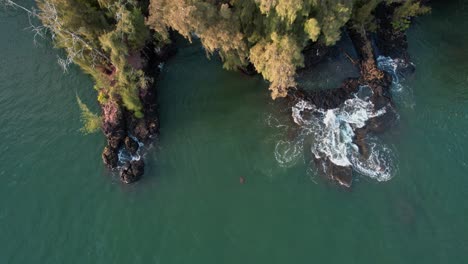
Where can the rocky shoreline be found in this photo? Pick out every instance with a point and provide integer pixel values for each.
(127, 134)
(386, 42)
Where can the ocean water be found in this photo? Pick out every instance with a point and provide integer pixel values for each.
(58, 204)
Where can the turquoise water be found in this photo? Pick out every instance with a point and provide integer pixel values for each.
(59, 205)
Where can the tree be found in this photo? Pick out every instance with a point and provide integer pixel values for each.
(91, 121)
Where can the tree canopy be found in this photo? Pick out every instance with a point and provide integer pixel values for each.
(104, 36)
(270, 34)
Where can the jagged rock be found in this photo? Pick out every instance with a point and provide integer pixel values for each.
(328, 98)
(118, 123)
(340, 174)
(112, 118)
(343, 175)
(110, 157)
(115, 139)
(132, 171)
(141, 131)
(131, 145)
(360, 141)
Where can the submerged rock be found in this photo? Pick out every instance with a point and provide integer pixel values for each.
(132, 171)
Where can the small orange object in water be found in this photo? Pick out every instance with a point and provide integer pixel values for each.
(241, 180)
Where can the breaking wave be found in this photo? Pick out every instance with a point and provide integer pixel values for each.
(402, 95)
(330, 133)
(124, 156)
(391, 66)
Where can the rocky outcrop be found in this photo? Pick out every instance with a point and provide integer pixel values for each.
(390, 43)
(110, 157)
(131, 145)
(132, 171)
(114, 129)
(124, 132)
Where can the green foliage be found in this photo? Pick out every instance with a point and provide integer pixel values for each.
(268, 33)
(132, 25)
(335, 16)
(362, 17)
(91, 121)
(277, 60)
(102, 97)
(100, 36)
(105, 37)
(311, 27)
(404, 13)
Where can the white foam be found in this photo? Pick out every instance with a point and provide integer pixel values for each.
(391, 66)
(380, 165)
(331, 133)
(124, 156)
(402, 94)
(287, 153)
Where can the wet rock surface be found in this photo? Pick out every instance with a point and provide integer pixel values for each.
(110, 157)
(390, 43)
(131, 145)
(132, 171)
(123, 130)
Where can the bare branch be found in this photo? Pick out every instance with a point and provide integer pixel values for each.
(52, 25)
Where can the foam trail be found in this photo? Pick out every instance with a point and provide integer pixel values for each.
(287, 153)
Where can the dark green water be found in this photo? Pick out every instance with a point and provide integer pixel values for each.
(59, 205)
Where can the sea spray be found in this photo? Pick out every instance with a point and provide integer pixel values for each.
(331, 132)
(391, 66)
(125, 156)
(402, 94)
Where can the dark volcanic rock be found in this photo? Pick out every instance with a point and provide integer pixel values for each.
(118, 123)
(342, 175)
(315, 53)
(141, 131)
(131, 145)
(132, 171)
(360, 141)
(329, 98)
(248, 70)
(390, 42)
(115, 139)
(110, 157)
